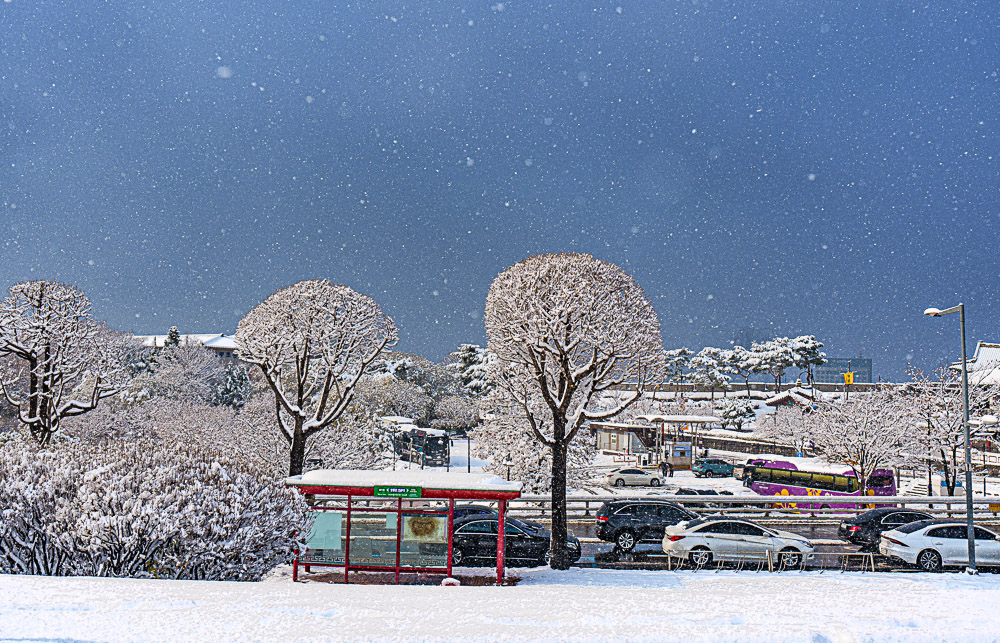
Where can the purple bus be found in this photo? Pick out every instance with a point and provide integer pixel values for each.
(784, 479)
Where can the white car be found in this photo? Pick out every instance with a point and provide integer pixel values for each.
(622, 477)
(933, 544)
(729, 539)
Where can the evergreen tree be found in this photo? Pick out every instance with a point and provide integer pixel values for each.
(173, 338)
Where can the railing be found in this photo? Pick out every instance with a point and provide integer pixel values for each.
(770, 508)
(777, 562)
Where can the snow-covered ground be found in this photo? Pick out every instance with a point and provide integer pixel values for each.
(580, 604)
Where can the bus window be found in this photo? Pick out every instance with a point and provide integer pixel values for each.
(802, 478)
(781, 475)
(823, 481)
(880, 481)
(841, 483)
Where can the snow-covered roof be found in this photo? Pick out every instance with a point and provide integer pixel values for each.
(984, 365)
(156, 341)
(408, 478)
(396, 419)
(222, 343)
(796, 395)
(681, 419)
(621, 425)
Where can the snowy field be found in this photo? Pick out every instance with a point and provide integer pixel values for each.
(596, 605)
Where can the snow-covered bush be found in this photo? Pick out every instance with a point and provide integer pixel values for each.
(735, 412)
(142, 509)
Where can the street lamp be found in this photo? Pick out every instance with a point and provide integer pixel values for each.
(970, 532)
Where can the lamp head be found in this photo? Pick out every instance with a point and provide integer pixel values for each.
(988, 420)
(933, 312)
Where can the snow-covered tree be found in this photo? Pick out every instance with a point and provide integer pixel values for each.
(64, 362)
(173, 338)
(502, 442)
(387, 395)
(234, 387)
(313, 341)
(936, 402)
(564, 328)
(182, 373)
(710, 368)
(742, 362)
(469, 367)
(676, 363)
(454, 412)
(806, 354)
(868, 432)
(736, 412)
(773, 357)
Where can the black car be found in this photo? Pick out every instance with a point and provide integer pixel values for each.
(475, 543)
(865, 529)
(629, 522)
(461, 511)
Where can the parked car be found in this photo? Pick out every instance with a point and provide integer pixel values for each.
(728, 539)
(711, 468)
(864, 530)
(622, 477)
(629, 522)
(475, 542)
(933, 544)
(463, 510)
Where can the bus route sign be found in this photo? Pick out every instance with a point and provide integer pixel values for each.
(397, 492)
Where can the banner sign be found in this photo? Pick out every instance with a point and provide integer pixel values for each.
(398, 492)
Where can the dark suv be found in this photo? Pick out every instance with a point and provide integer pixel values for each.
(629, 522)
(865, 529)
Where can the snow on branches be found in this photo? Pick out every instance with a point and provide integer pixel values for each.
(936, 402)
(142, 509)
(868, 432)
(313, 341)
(563, 328)
(62, 361)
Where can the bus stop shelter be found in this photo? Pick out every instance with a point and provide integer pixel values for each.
(392, 521)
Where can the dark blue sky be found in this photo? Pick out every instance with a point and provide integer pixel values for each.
(761, 168)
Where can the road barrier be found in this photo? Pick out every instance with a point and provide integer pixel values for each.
(783, 509)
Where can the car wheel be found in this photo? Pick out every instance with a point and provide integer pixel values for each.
(457, 556)
(619, 482)
(929, 560)
(789, 558)
(655, 482)
(700, 557)
(625, 540)
(546, 558)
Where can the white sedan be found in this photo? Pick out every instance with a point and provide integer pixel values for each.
(622, 477)
(727, 539)
(933, 544)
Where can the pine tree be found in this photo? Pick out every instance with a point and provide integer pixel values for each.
(173, 338)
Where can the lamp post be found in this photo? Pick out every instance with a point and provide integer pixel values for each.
(970, 532)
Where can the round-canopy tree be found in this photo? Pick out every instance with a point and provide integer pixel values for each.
(61, 361)
(563, 328)
(313, 341)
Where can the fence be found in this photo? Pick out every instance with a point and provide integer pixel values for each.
(770, 508)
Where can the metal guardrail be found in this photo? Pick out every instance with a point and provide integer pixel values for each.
(784, 508)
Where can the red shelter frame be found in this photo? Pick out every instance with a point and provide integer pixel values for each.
(366, 492)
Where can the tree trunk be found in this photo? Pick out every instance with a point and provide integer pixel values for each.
(559, 556)
(746, 380)
(298, 455)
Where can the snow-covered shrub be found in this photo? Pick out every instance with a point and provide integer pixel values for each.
(142, 508)
(455, 412)
(735, 412)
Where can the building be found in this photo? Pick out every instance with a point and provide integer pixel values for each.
(222, 345)
(984, 365)
(832, 372)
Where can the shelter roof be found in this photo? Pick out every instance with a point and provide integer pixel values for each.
(435, 484)
(681, 419)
